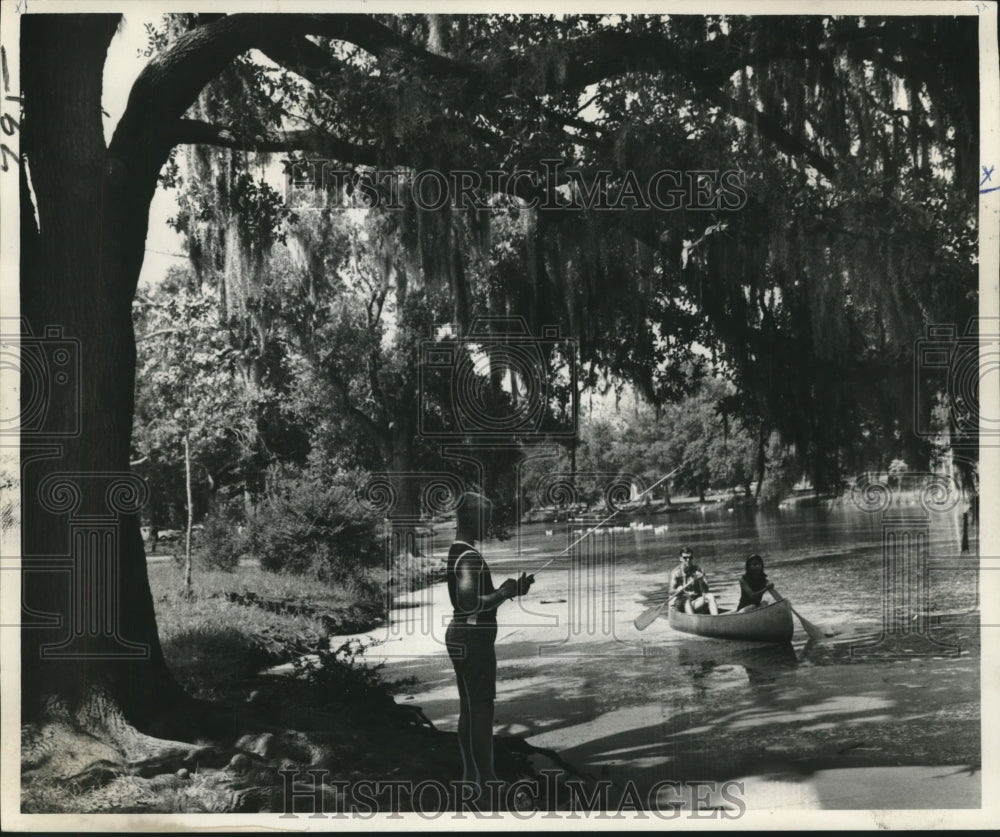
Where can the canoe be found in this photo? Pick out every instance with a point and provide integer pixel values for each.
(772, 623)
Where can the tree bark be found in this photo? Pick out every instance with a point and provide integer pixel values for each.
(401, 462)
(79, 269)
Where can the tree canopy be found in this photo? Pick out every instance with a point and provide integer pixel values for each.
(847, 224)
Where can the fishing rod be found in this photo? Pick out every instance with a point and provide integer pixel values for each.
(599, 525)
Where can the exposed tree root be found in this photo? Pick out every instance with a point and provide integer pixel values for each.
(94, 760)
(520, 746)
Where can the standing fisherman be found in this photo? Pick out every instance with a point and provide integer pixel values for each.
(472, 633)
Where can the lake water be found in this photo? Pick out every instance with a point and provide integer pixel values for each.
(576, 676)
(828, 561)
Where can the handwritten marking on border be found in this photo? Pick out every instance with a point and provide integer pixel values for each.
(8, 124)
(987, 178)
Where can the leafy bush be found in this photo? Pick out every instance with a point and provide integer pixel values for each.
(304, 525)
(343, 677)
(221, 543)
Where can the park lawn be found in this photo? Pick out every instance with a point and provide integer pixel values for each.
(335, 712)
(215, 647)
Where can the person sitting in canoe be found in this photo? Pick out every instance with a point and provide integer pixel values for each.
(695, 597)
(753, 584)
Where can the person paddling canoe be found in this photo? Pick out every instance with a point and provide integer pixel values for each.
(696, 598)
(754, 584)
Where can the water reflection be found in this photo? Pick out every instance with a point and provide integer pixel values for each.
(710, 664)
(829, 562)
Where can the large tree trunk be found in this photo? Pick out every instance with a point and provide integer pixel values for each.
(401, 462)
(406, 513)
(80, 261)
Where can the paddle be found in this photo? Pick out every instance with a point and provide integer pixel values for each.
(815, 632)
(649, 616)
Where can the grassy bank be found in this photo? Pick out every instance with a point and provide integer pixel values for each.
(233, 624)
(335, 713)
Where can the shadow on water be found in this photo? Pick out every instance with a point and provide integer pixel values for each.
(669, 705)
(707, 661)
(734, 709)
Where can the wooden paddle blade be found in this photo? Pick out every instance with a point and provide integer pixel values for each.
(648, 617)
(815, 631)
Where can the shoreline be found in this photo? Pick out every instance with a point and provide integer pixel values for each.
(800, 725)
(805, 498)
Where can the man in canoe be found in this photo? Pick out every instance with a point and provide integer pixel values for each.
(695, 596)
(753, 584)
(472, 633)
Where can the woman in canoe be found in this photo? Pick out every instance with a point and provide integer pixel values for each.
(753, 584)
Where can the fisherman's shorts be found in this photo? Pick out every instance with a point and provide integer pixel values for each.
(473, 654)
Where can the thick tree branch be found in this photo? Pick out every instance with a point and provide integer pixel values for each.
(172, 81)
(192, 131)
(308, 60)
(770, 128)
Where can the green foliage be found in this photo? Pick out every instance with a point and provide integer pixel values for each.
(216, 646)
(210, 662)
(710, 449)
(185, 370)
(341, 676)
(306, 526)
(191, 385)
(261, 209)
(858, 145)
(221, 543)
(732, 457)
